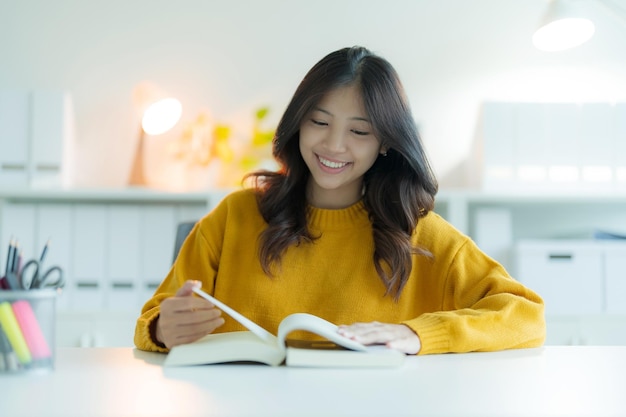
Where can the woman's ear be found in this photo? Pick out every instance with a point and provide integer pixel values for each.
(383, 150)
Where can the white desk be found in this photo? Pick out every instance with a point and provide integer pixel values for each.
(551, 381)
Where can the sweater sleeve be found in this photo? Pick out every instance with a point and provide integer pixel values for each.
(483, 309)
(197, 260)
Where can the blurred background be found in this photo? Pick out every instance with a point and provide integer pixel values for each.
(230, 58)
(529, 144)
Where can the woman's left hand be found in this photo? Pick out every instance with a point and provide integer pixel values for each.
(394, 336)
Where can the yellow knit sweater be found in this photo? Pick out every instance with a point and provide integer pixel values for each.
(459, 301)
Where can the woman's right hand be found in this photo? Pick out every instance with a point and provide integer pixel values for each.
(185, 318)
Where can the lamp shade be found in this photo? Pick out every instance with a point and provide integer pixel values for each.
(564, 26)
(161, 116)
(158, 111)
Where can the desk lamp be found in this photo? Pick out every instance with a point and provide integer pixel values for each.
(159, 114)
(564, 26)
(566, 23)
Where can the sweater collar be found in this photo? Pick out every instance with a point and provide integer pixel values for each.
(327, 219)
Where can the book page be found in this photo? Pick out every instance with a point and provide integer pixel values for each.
(243, 346)
(247, 323)
(317, 325)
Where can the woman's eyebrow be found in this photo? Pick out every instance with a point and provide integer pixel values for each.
(359, 118)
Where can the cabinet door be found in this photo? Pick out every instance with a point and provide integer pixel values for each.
(123, 260)
(158, 235)
(89, 231)
(54, 226)
(18, 222)
(567, 274)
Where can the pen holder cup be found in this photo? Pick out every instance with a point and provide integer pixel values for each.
(27, 329)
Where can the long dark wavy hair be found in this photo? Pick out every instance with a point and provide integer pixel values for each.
(399, 188)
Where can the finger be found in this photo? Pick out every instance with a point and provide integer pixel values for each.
(191, 317)
(185, 327)
(358, 330)
(187, 288)
(410, 346)
(178, 304)
(395, 336)
(197, 332)
(370, 333)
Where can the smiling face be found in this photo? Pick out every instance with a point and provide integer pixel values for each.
(338, 146)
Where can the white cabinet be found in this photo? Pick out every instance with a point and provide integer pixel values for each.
(18, 222)
(115, 247)
(569, 275)
(124, 257)
(85, 283)
(582, 279)
(159, 224)
(54, 225)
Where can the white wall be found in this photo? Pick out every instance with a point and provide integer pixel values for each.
(234, 56)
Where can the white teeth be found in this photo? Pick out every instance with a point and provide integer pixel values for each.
(331, 164)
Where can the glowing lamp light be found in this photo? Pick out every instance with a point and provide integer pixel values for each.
(563, 27)
(161, 116)
(563, 34)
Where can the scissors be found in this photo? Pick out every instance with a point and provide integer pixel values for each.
(31, 276)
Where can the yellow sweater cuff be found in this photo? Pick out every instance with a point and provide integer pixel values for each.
(433, 333)
(143, 338)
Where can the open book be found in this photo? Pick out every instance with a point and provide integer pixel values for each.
(259, 345)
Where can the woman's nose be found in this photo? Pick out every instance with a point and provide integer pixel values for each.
(336, 140)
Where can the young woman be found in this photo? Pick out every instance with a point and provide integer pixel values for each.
(344, 230)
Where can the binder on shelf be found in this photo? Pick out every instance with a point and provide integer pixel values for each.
(54, 222)
(36, 138)
(531, 145)
(498, 148)
(17, 222)
(124, 250)
(158, 237)
(596, 144)
(89, 257)
(562, 131)
(619, 145)
(14, 137)
(52, 139)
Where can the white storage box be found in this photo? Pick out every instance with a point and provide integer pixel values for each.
(567, 274)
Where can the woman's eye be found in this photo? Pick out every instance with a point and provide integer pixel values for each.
(360, 132)
(319, 122)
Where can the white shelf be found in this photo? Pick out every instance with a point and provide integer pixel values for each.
(110, 321)
(537, 195)
(134, 194)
